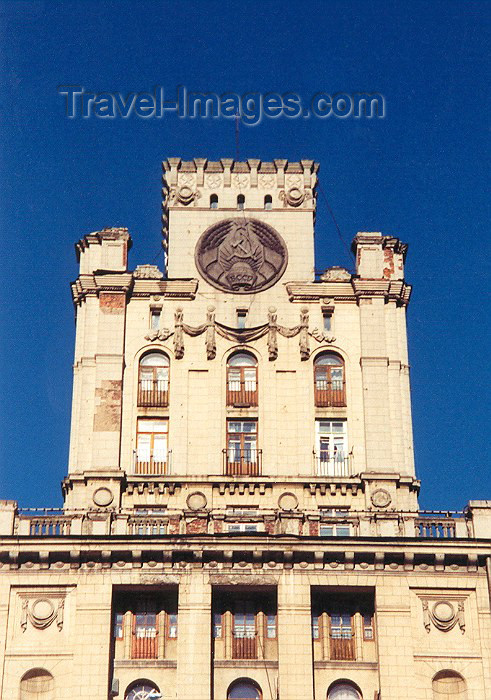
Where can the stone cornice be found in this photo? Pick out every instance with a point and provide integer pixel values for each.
(93, 284)
(391, 290)
(243, 553)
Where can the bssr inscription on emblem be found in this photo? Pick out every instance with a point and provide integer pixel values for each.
(241, 255)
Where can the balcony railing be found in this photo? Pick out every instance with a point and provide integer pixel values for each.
(156, 464)
(342, 648)
(49, 526)
(326, 464)
(435, 527)
(244, 645)
(144, 644)
(246, 462)
(153, 392)
(242, 394)
(329, 393)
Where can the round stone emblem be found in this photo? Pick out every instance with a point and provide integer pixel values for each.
(443, 611)
(42, 609)
(103, 496)
(288, 501)
(241, 255)
(381, 498)
(196, 501)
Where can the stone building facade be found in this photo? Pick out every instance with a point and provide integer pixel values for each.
(241, 511)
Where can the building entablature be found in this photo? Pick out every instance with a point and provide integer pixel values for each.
(243, 553)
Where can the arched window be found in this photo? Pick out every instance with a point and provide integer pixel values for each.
(37, 683)
(240, 202)
(343, 691)
(142, 690)
(268, 202)
(153, 380)
(213, 201)
(242, 380)
(329, 382)
(244, 689)
(449, 684)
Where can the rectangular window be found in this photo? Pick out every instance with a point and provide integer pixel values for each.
(242, 527)
(151, 446)
(172, 625)
(326, 318)
(315, 626)
(244, 619)
(242, 453)
(217, 626)
(155, 318)
(271, 626)
(118, 625)
(368, 633)
(241, 318)
(334, 530)
(331, 452)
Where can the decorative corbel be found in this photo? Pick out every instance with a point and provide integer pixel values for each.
(426, 616)
(211, 347)
(178, 334)
(304, 334)
(272, 333)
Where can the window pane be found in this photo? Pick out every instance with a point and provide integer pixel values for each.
(243, 691)
(242, 359)
(328, 360)
(154, 359)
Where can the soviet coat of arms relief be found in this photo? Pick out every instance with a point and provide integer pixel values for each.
(241, 255)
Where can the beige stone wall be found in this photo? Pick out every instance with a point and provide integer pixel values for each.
(78, 652)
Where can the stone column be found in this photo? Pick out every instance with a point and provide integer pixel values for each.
(295, 662)
(194, 637)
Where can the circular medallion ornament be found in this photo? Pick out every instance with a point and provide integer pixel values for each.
(288, 501)
(42, 609)
(196, 501)
(103, 497)
(381, 498)
(443, 611)
(241, 255)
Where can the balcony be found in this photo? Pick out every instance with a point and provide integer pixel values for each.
(244, 645)
(242, 462)
(154, 393)
(329, 393)
(144, 644)
(242, 394)
(328, 464)
(155, 464)
(436, 527)
(342, 648)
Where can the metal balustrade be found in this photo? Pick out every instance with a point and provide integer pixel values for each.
(153, 393)
(246, 462)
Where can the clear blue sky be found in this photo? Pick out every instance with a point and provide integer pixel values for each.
(419, 174)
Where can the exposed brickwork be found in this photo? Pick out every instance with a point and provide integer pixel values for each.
(388, 263)
(107, 414)
(198, 526)
(112, 303)
(269, 527)
(173, 526)
(218, 526)
(313, 528)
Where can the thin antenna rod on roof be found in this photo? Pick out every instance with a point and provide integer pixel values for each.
(237, 118)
